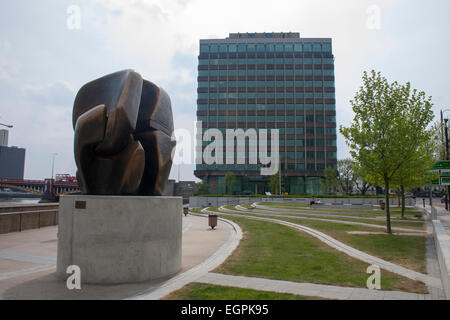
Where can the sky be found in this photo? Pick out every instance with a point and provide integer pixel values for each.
(50, 48)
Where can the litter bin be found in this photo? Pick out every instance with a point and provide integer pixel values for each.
(382, 204)
(185, 211)
(212, 220)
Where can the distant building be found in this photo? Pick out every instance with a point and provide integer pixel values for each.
(12, 162)
(184, 189)
(4, 138)
(269, 81)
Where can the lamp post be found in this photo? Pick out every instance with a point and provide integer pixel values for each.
(53, 162)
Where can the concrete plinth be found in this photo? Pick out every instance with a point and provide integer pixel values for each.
(119, 239)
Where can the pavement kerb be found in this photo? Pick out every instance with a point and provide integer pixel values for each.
(161, 290)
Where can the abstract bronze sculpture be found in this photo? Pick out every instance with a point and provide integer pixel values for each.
(123, 136)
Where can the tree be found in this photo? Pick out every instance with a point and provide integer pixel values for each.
(415, 173)
(388, 129)
(329, 179)
(274, 183)
(230, 180)
(361, 182)
(346, 177)
(203, 186)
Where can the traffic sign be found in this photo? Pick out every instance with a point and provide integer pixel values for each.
(441, 165)
(445, 181)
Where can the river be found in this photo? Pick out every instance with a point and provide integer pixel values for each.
(4, 201)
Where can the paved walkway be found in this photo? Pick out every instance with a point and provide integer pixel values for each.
(161, 290)
(386, 265)
(307, 289)
(28, 258)
(275, 214)
(309, 212)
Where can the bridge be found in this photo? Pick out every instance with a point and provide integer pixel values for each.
(48, 188)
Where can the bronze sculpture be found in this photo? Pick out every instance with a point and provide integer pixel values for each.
(123, 136)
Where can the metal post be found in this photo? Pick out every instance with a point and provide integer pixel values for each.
(431, 196)
(447, 158)
(53, 162)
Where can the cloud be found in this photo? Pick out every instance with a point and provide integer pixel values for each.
(56, 94)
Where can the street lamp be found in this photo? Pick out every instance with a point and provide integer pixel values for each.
(53, 162)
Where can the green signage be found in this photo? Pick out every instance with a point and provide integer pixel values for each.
(441, 165)
(434, 182)
(445, 181)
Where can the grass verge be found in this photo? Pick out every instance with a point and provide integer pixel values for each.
(273, 251)
(198, 291)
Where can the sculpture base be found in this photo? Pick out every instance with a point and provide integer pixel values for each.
(119, 239)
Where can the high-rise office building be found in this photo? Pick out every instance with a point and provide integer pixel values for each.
(269, 81)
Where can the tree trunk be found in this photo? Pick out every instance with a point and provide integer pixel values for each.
(402, 190)
(388, 213)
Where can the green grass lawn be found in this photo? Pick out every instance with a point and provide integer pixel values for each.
(407, 251)
(198, 291)
(413, 224)
(410, 213)
(273, 251)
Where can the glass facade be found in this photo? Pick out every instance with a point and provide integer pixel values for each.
(270, 81)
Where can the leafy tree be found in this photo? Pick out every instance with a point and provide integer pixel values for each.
(274, 183)
(361, 182)
(203, 186)
(230, 180)
(329, 179)
(346, 177)
(388, 129)
(415, 173)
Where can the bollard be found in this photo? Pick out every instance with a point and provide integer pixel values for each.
(212, 220)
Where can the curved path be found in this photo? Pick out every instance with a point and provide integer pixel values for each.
(274, 214)
(357, 254)
(331, 214)
(161, 290)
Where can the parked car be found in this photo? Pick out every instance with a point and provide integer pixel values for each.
(246, 193)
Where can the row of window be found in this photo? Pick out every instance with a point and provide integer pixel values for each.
(294, 143)
(283, 131)
(280, 118)
(269, 107)
(264, 95)
(262, 84)
(268, 72)
(254, 167)
(265, 47)
(264, 61)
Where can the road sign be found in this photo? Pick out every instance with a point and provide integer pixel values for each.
(445, 181)
(441, 165)
(434, 182)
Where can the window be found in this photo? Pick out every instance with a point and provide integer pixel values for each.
(299, 118)
(331, 118)
(232, 48)
(310, 155)
(331, 131)
(307, 47)
(204, 48)
(214, 48)
(310, 142)
(298, 47)
(299, 131)
(300, 143)
(331, 143)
